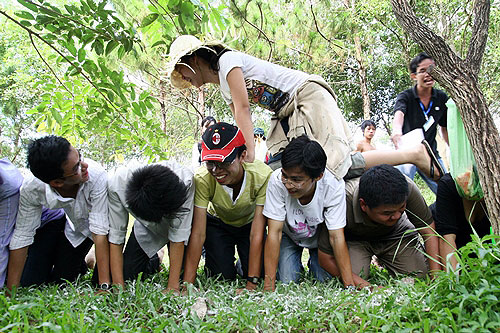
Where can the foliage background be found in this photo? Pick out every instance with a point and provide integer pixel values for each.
(93, 71)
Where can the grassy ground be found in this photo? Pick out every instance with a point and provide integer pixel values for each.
(466, 302)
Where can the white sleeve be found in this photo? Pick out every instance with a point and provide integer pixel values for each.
(180, 229)
(274, 208)
(335, 204)
(28, 220)
(227, 62)
(98, 215)
(118, 214)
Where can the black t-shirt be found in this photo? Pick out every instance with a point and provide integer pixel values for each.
(408, 102)
(449, 215)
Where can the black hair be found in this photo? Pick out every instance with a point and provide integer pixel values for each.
(306, 154)
(154, 192)
(367, 123)
(211, 54)
(240, 150)
(208, 119)
(417, 60)
(383, 185)
(46, 157)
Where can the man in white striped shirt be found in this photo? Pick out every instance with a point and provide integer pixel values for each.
(62, 179)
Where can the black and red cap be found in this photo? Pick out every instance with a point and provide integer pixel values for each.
(220, 142)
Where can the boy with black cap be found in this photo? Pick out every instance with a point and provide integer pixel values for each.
(229, 200)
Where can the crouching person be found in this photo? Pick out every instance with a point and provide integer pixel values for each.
(383, 209)
(230, 195)
(300, 197)
(160, 198)
(61, 179)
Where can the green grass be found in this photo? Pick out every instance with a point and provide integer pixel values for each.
(468, 302)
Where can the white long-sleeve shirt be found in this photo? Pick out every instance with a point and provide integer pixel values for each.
(86, 214)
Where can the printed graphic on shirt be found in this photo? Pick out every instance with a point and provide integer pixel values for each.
(303, 226)
(265, 96)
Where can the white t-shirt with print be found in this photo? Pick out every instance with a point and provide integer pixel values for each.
(302, 221)
(268, 85)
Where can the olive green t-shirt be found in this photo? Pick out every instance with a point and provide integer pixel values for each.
(361, 228)
(215, 197)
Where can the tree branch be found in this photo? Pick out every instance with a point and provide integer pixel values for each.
(320, 33)
(253, 25)
(47, 64)
(74, 66)
(479, 36)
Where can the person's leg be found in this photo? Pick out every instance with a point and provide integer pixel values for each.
(430, 183)
(219, 246)
(402, 256)
(242, 237)
(319, 273)
(408, 170)
(360, 253)
(8, 213)
(136, 261)
(70, 261)
(418, 156)
(289, 263)
(42, 253)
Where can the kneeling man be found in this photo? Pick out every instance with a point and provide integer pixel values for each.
(383, 209)
(160, 198)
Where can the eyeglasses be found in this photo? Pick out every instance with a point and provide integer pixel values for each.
(211, 165)
(293, 183)
(77, 167)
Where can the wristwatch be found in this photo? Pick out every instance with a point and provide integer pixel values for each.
(350, 288)
(253, 279)
(104, 286)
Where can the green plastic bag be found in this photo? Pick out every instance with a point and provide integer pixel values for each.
(463, 167)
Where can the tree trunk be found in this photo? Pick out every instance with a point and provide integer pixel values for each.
(362, 78)
(459, 78)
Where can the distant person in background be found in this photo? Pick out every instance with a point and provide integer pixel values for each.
(368, 128)
(260, 144)
(196, 152)
(421, 107)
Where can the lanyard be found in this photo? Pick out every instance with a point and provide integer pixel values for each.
(426, 112)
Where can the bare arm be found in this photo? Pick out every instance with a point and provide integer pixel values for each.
(17, 259)
(116, 263)
(256, 245)
(328, 263)
(102, 257)
(272, 253)
(339, 246)
(448, 246)
(397, 127)
(241, 109)
(444, 134)
(196, 240)
(431, 241)
(176, 253)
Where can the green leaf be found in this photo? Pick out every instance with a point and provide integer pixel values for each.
(160, 42)
(28, 5)
(25, 23)
(25, 15)
(81, 54)
(149, 19)
(98, 46)
(56, 115)
(111, 46)
(121, 52)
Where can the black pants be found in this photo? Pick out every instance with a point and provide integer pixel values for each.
(135, 261)
(52, 258)
(219, 246)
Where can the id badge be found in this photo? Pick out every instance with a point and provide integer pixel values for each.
(428, 123)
